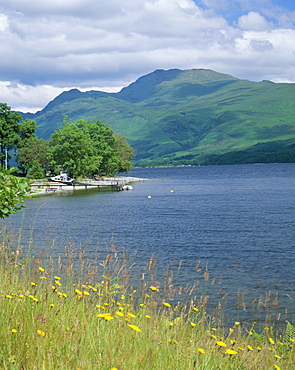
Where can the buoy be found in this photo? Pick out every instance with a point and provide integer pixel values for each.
(171, 191)
(149, 196)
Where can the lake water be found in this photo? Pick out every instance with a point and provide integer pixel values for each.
(238, 221)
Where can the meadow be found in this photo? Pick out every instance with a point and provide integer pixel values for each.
(64, 312)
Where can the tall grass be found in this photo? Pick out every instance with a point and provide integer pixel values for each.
(62, 312)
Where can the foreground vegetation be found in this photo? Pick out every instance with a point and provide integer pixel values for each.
(63, 312)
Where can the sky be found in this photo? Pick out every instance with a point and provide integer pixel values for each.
(49, 46)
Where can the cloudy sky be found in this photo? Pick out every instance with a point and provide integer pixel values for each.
(48, 46)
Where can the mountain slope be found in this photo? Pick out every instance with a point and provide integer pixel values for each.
(180, 116)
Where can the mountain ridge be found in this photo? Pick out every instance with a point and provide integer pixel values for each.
(171, 115)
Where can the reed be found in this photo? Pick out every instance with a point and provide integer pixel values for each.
(64, 312)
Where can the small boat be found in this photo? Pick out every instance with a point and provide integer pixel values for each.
(127, 187)
(63, 177)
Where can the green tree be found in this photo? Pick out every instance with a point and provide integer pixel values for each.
(31, 152)
(13, 191)
(9, 129)
(125, 153)
(86, 148)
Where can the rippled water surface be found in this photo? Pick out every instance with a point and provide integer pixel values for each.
(239, 220)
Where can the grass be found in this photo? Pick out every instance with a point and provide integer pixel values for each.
(63, 312)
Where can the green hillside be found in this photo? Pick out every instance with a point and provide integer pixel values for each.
(188, 117)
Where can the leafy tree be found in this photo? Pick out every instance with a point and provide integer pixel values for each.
(33, 150)
(13, 191)
(125, 153)
(86, 148)
(9, 129)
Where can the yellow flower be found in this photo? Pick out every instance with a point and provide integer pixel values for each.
(214, 329)
(13, 331)
(271, 341)
(114, 368)
(86, 293)
(52, 305)
(166, 304)
(108, 318)
(57, 283)
(237, 323)
(41, 269)
(154, 289)
(33, 284)
(277, 356)
(9, 296)
(276, 367)
(231, 352)
(103, 315)
(193, 324)
(201, 350)
(78, 291)
(233, 341)
(214, 336)
(241, 349)
(250, 348)
(40, 332)
(134, 327)
(220, 344)
(195, 309)
(130, 315)
(148, 316)
(119, 313)
(43, 277)
(57, 278)
(271, 349)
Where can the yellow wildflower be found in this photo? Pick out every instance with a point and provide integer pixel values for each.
(166, 304)
(276, 367)
(78, 291)
(134, 327)
(193, 324)
(43, 277)
(40, 332)
(220, 344)
(237, 323)
(277, 356)
(41, 269)
(148, 316)
(250, 348)
(231, 352)
(195, 309)
(119, 313)
(130, 315)
(57, 278)
(9, 296)
(13, 331)
(201, 350)
(154, 289)
(271, 341)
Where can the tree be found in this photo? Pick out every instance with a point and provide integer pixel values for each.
(86, 148)
(9, 129)
(125, 153)
(31, 152)
(13, 191)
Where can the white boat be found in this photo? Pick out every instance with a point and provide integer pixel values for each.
(127, 187)
(63, 177)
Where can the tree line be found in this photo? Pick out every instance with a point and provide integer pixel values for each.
(82, 148)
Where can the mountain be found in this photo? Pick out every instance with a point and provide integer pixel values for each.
(196, 116)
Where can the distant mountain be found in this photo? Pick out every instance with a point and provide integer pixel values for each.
(194, 116)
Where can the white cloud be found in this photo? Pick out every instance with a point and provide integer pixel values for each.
(253, 21)
(49, 46)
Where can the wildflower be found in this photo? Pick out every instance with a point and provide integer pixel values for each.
(201, 350)
(33, 284)
(119, 313)
(195, 309)
(53, 287)
(130, 315)
(40, 332)
(220, 344)
(241, 349)
(213, 336)
(237, 323)
(108, 318)
(147, 295)
(13, 331)
(114, 368)
(103, 315)
(233, 342)
(271, 341)
(123, 296)
(141, 304)
(8, 296)
(43, 277)
(57, 278)
(21, 296)
(52, 305)
(277, 356)
(154, 289)
(86, 293)
(78, 291)
(121, 308)
(276, 367)
(134, 327)
(214, 329)
(193, 324)
(41, 269)
(166, 304)
(148, 316)
(231, 352)
(271, 349)
(250, 348)
(57, 283)
(259, 349)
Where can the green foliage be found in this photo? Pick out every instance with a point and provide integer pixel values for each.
(13, 191)
(89, 149)
(185, 116)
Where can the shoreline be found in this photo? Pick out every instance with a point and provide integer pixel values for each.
(42, 187)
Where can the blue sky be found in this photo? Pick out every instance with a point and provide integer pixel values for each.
(49, 46)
